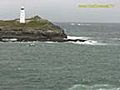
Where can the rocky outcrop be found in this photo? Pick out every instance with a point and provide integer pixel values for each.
(35, 29)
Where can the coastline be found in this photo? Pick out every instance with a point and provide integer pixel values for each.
(35, 29)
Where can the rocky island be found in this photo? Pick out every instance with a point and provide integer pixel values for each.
(35, 29)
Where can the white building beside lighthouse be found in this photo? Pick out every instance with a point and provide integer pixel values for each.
(22, 15)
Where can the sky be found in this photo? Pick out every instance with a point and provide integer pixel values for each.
(62, 10)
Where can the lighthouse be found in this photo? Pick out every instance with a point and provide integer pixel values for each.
(22, 15)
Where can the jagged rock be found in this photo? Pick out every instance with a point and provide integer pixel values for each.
(35, 29)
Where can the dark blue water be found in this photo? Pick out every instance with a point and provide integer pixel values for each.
(93, 65)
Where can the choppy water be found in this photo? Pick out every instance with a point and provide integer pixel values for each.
(93, 65)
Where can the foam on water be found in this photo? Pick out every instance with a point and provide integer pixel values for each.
(80, 24)
(115, 39)
(94, 87)
(50, 42)
(87, 42)
(75, 37)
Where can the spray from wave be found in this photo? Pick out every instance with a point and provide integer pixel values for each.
(75, 37)
(87, 41)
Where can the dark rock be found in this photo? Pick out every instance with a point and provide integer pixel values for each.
(35, 29)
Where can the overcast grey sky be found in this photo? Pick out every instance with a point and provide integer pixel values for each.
(61, 10)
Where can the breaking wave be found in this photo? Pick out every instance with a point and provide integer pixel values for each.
(80, 24)
(75, 37)
(94, 87)
(116, 39)
(87, 42)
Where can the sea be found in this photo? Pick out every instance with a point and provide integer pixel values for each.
(90, 65)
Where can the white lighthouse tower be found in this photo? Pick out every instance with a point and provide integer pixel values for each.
(22, 15)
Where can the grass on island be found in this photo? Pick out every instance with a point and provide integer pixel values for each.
(33, 23)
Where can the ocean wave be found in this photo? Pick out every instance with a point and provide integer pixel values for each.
(83, 24)
(117, 39)
(94, 87)
(80, 24)
(88, 42)
(75, 37)
(50, 42)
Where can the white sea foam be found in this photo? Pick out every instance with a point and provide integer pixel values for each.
(72, 24)
(115, 39)
(79, 24)
(87, 42)
(75, 37)
(50, 42)
(94, 87)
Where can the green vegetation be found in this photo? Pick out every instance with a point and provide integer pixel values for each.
(35, 29)
(36, 23)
